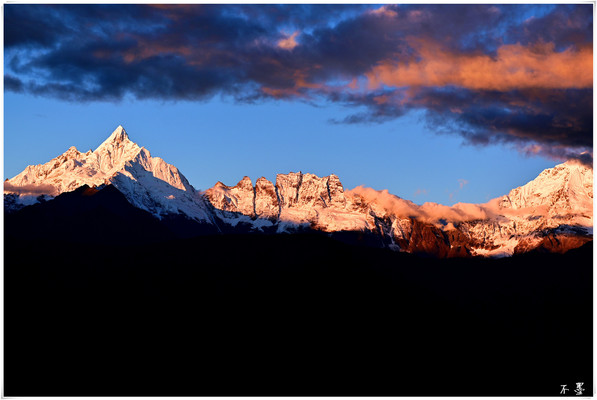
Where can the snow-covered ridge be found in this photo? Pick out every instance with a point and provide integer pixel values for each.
(567, 186)
(548, 211)
(73, 169)
(148, 182)
(295, 200)
(558, 202)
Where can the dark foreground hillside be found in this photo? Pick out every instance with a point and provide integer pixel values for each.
(290, 315)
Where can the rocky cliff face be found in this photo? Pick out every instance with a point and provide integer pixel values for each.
(267, 202)
(296, 200)
(239, 198)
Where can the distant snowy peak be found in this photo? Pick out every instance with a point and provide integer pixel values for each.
(148, 182)
(546, 212)
(118, 136)
(566, 187)
(73, 169)
(554, 211)
(115, 151)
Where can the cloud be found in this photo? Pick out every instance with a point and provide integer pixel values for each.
(29, 26)
(289, 42)
(13, 84)
(442, 216)
(549, 117)
(461, 184)
(559, 121)
(513, 67)
(30, 190)
(565, 25)
(428, 212)
(459, 212)
(385, 11)
(560, 153)
(515, 74)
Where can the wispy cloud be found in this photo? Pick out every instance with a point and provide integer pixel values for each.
(427, 212)
(461, 184)
(30, 190)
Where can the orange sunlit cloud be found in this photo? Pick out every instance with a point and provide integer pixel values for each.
(428, 212)
(514, 67)
(289, 42)
(480, 71)
(384, 11)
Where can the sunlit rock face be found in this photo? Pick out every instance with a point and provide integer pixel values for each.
(336, 192)
(553, 212)
(239, 198)
(295, 200)
(147, 182)
(313, 191)
(288, 188)
(267, 204)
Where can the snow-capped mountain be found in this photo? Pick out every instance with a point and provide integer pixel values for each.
(559, 202)
(554, 211)
(147, 182)
(565, 188)
(295, 201)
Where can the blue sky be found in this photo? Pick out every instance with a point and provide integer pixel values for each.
(221, 140)
(442, 103)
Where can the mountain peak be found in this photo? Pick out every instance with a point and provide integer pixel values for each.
(72, 151)
(117, 140)
(566, 186)
(119, 135)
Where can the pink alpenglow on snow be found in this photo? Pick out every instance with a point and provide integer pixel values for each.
(559, 201)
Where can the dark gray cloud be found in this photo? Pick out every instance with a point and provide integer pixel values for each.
(565, 25)
(193, 52)
(545, 115)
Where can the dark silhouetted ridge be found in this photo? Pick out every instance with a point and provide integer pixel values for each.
(87, 215)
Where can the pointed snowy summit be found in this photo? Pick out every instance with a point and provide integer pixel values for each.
(147, 182)
(119, 136)
(115, 151)
(554, 211)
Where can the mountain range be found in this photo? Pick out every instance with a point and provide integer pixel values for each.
(123, 277)
(553, 212)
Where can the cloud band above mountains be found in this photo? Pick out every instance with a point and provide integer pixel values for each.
(513, 74)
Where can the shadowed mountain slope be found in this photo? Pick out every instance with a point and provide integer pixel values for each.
(291, 315)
